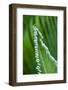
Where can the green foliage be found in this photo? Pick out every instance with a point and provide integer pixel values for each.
(47, 25)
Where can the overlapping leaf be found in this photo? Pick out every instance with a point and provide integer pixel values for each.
(47, 25)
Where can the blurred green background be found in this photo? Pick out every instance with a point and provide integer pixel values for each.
(48, 27)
